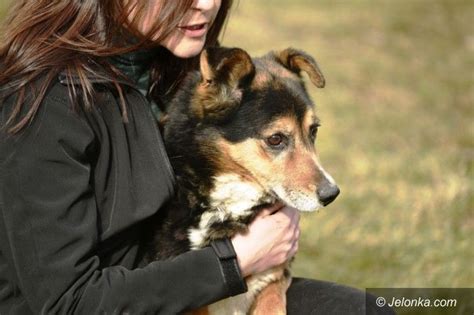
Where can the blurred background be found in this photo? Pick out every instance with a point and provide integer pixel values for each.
(397, 134)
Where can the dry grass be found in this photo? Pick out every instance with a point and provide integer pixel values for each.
(397, 135)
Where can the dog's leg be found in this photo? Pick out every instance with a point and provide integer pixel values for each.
(272, 299)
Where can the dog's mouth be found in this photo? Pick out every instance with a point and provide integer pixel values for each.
(302, 201)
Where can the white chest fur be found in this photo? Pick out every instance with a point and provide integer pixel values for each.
(231, 199)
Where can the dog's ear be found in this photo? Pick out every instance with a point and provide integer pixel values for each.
(297, 61)
(229, 66)
(224, 72)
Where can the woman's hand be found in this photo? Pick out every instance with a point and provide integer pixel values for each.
(271, 240)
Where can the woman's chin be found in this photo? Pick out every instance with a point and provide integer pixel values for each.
(187, 48)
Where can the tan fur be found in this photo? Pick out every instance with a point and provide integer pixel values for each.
(309, 119)
(297, 170)
(243, 304)
(205, 67)
(303, 162)
(299, 61)
(272, 299)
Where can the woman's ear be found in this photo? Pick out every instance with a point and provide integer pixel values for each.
(297, 61)
(224, 73)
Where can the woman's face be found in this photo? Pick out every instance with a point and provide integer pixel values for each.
(188, 39)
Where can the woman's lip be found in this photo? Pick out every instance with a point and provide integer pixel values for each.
(194, 30)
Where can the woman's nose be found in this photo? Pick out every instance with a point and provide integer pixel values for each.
(205, 5)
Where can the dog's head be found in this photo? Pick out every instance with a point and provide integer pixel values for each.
(253, 121)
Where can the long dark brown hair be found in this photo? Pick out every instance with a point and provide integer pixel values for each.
(43, 38)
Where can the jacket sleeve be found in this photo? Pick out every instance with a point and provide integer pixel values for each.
(49, 234)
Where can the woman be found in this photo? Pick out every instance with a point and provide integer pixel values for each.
(83, 166)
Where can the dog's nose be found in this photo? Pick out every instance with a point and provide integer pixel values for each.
(327, 194)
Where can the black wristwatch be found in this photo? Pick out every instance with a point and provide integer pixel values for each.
(230, 267)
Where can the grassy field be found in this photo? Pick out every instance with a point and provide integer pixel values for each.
(3, 8)
(397, 134)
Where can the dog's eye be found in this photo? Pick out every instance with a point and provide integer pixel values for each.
(313, 132)
(276, 140)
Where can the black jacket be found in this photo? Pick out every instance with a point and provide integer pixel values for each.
(74, 188)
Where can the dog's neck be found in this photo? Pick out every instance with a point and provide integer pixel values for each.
(227, 192)
(236, 196)
(232, 205)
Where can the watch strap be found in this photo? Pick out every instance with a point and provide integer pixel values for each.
(230, 268)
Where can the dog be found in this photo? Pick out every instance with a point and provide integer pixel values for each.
(240, 135)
